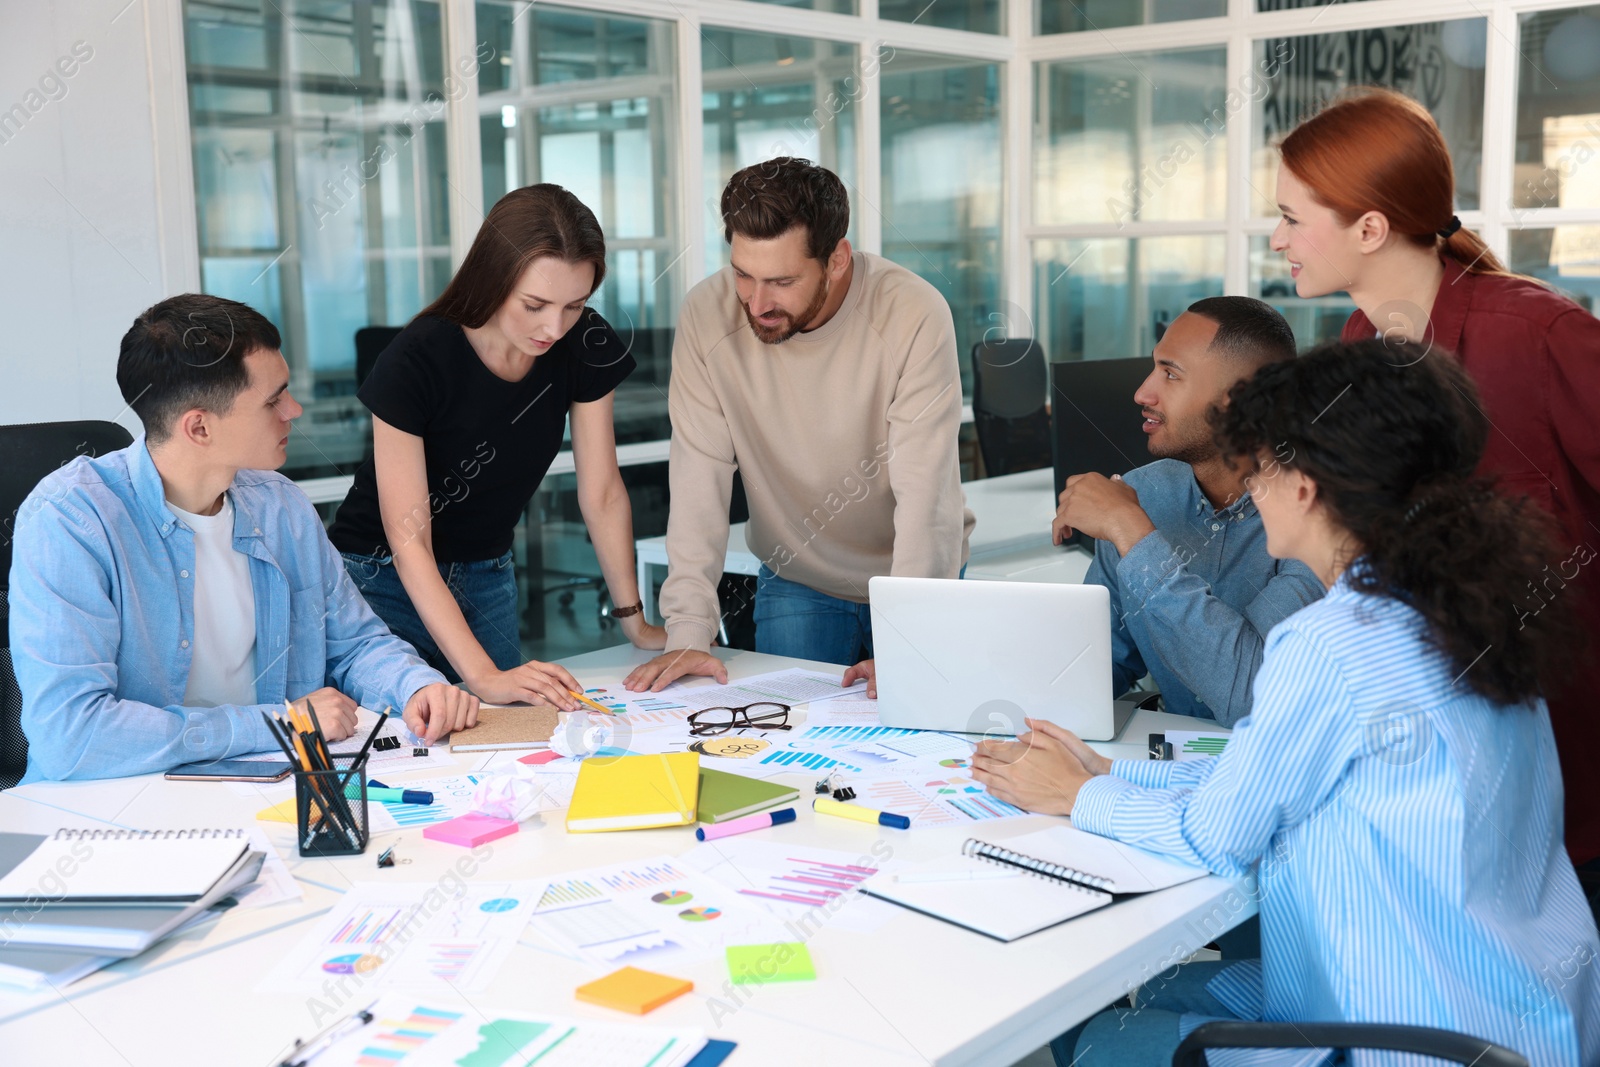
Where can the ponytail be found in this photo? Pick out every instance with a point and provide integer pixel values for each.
(1373, 149)
(1393, 467)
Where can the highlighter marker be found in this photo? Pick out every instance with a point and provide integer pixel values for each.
(829, 806)
(759, 821)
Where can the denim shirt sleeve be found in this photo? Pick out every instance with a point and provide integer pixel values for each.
(65, 634)
(1214, 649)
(1127, 666)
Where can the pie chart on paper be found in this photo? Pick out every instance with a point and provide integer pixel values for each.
(700, 915)
(672, 897)
(354, 963)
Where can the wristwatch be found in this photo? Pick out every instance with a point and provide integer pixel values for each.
(623, 613)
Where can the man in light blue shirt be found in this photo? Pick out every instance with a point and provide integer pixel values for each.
(1179, 543)
(140, 641)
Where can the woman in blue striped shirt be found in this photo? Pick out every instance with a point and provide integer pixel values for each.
(1397, 782)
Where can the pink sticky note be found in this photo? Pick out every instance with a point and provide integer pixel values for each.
(469, 831)
(538, 759)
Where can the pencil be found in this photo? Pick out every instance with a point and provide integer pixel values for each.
(597, 707)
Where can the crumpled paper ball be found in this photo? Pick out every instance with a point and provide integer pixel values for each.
(506, 796)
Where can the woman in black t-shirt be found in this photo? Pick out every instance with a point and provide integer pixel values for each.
(468, 407)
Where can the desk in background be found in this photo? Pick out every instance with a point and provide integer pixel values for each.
(1011, 541)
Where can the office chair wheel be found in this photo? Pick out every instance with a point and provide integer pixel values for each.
(565, 600)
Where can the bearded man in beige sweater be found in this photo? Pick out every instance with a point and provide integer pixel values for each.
(828, 378)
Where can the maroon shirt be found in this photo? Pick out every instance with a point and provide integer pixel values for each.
(1535, 356)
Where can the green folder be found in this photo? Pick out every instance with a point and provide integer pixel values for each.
(725, 796)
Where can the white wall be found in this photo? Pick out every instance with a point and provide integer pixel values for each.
(83, 244)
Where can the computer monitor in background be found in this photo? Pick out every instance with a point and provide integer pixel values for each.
(1095, 423)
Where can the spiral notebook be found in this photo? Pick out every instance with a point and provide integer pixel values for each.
(117, 866)
(1061, 873)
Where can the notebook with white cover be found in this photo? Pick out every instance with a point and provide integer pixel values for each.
(1063, 873)
(118, 866)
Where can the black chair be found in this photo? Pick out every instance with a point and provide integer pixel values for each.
(1420, 1040)
(1010, 391)
(370, 343)
(28, 452)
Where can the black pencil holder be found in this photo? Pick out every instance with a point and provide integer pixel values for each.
(329, 822)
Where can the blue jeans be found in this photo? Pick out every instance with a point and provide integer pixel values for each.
(485, 590)
(796, 620)
(1146, 1036)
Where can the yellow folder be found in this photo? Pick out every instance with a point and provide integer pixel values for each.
(635, 792)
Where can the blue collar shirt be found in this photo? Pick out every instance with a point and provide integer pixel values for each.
(102, 621)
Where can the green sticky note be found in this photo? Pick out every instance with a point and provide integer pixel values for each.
(783, 961)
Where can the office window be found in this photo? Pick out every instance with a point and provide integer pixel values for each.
(843, 7)
(589, 102)
(943, 187)
(1313, 320)
(319, 162)
(1127, 138)
(768, 95)
(1438, 63)
(1111, 298)
(1558, 110)
(1072, 16)
(981, 16)
(1567, 257)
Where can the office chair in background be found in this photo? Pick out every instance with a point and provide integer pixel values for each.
(28, 452)
(1010, 394)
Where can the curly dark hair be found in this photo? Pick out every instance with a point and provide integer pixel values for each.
(1392, 450)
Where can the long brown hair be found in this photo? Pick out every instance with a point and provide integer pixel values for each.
(1373, 149)
(526, 223)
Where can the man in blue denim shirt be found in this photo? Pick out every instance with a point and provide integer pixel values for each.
(165, 594)
(1179, 543)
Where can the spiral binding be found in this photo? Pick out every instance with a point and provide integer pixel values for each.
(1056, 872)
(144, 835)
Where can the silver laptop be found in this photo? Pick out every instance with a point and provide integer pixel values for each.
(979, 657)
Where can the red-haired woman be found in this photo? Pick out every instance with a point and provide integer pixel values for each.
(1366, 191)
(468, 407)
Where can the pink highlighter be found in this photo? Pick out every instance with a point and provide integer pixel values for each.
(759, 821)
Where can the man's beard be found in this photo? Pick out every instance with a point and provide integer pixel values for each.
(1193, 449)
(793, 324)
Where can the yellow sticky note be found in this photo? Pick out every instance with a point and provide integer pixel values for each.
(633, 990)
(283, 812)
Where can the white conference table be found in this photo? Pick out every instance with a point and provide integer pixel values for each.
(916, 990)
(1010, 542)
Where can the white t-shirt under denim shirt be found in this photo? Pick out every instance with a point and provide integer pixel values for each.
(223, 670)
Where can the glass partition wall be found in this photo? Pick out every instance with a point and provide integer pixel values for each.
(1074, 172)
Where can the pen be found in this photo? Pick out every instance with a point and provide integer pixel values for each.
(304, 1051)
(829, 806)
(956, 876)
(759, 821)
(596, 706)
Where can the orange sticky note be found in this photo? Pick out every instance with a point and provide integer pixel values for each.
(633, 990)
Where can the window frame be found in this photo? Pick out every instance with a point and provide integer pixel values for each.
(1018, 48)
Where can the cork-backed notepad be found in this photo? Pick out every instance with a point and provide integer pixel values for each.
(528, 727)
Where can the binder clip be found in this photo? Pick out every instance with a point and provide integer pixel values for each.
(829, 785)
(843, 793)
(386, 744)
(420, 753)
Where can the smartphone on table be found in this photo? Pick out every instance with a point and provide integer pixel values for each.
(231, 770)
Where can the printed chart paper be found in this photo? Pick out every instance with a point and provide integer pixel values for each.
(406, 1033)
(647, 914)
(409, 934)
